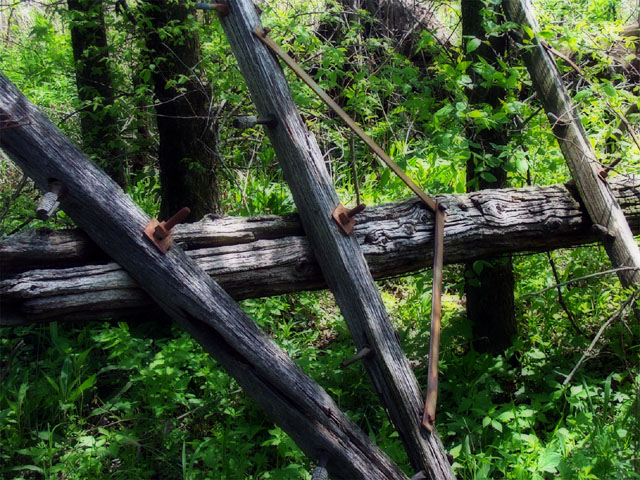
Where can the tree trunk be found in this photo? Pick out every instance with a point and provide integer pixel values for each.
(98, 119)
(66, 277)
(488, 285)
(187, 152)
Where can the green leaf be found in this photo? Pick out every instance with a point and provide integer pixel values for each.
(506, 416)
(528, 31)
(488, 177)
(549, 461)
(32, 468)
(473, 44)
(537, 354)
(444, 111)
(476, 114)
(88, 383)
(478, 266)
(522, 165)
(455, 451)
(609, 90)
(581, 94)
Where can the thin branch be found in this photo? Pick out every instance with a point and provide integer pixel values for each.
(592, 275)
(561, 298)
(589, 350)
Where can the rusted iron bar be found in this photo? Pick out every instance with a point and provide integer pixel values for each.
(262, 34)
(429, 416)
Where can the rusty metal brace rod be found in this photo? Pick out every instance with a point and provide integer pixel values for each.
(429, 416)
(291, 63)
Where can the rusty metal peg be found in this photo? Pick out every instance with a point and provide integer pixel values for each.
(163, 229)
(356, 210)
(160, 232)
(344, 216)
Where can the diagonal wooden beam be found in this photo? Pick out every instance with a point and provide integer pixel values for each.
(580, 156)
(188, 295)
(339, 256)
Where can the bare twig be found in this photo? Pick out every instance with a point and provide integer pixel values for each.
(561, 298)
(591, 275)
(589, 350)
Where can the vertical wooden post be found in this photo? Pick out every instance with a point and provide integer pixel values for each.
(339, 255)
(586, 171)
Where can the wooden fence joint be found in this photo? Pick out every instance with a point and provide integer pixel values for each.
(160, 232)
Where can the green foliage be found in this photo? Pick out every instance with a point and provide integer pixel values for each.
(141, 400)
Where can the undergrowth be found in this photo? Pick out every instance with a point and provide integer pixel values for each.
(141, 400)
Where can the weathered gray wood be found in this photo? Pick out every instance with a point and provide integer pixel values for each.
(339, 256)
(265, 256)
(188, 295)
(585, 169)
(47, 206)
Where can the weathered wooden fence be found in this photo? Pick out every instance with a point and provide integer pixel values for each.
(179, 285)
(586, 170)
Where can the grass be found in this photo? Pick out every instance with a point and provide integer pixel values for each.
(142, 400)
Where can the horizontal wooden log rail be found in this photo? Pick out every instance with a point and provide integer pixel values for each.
(64, 276)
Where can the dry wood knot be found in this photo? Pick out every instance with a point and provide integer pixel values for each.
(408, 228)
(552, 223)
(376, 237)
